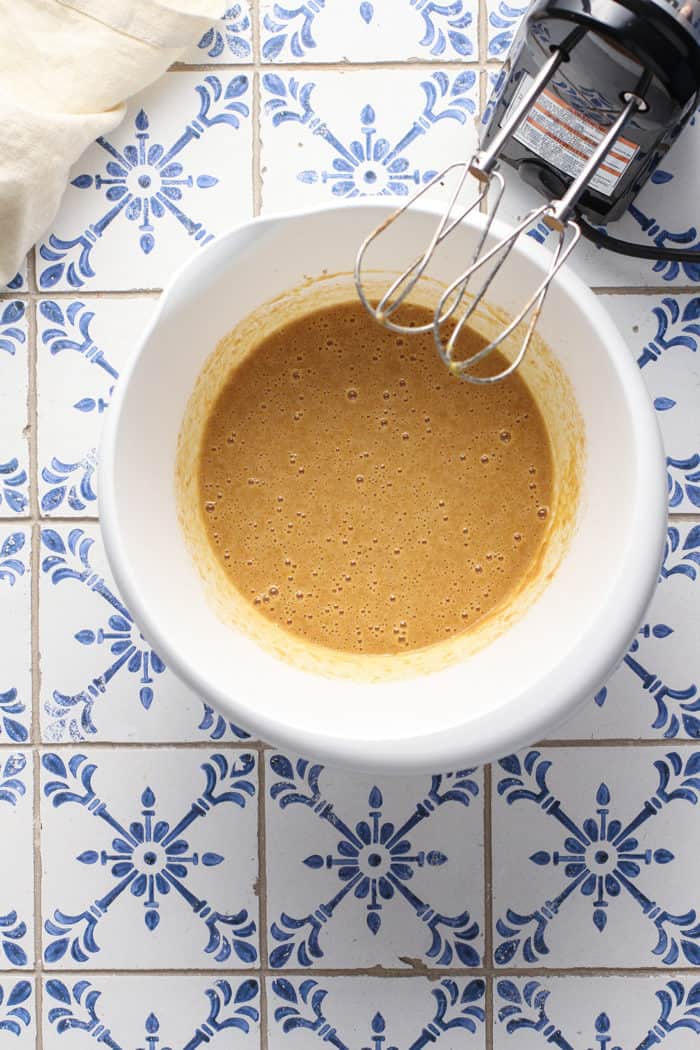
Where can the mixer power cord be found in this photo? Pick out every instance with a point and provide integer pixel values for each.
(654, 253)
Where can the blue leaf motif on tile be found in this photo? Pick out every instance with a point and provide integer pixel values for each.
(12, 932)
(216, 726)
(12, 566)
(366, 11)
(145, 184)
(292, 27)
(12, 334)
(78, 494)
(675, 329)
(129, 653)
(12, 778)
(445, 24)
(11, 706)
(231, 32)
(374, 862)
(15, 1015)
(14, 490)
(227, 1005)
(601, 858)
(301, 1006)
(150, 857)
(505, 20)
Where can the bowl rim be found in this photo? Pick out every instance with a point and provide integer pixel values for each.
(548, 701)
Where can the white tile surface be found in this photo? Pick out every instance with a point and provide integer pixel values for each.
(16, 869)
(362, 874)
(153, 1011)
(149, 859)
(15, 616)
(100, 679)
(591, 850)
(173, 175)
(663, 332)
(83, 345)
(370, 1013)
(337, 135)
(369, 31)
(14, 457)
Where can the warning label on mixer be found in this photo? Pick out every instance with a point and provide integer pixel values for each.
(559, 134)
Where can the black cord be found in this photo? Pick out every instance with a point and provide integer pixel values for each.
(637, 251)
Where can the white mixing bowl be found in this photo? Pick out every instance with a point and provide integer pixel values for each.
(506, 695)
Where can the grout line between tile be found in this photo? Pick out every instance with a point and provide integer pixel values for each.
(262, 896)
(488, 902)
(433, 975)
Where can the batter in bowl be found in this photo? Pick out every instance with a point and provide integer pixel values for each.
(361, 497)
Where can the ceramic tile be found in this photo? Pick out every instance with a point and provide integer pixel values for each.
(173, 175)
(17, 1012)
(16, 874)
(82, 346)
(593, 855)
(227, 41)
(609, 1013)
(362, 874)
(365, 1013)
(503, 20)
(176, 1012)
(376, 31)
(14, 456)
(653, 694)
(346, 134)
(100, 678)
(663, 332)
(15, 617)
(664, 214)
(149, 859)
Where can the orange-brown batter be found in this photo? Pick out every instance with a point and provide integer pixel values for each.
(361, 496)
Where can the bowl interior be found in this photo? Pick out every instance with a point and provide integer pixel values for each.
(504, 694)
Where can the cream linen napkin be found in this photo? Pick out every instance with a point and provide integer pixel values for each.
(66, 67)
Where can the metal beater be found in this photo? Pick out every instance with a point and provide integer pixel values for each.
(579, 72)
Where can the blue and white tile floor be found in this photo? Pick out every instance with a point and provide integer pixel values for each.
(550, 899)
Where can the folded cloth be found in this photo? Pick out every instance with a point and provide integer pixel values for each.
(66, 67)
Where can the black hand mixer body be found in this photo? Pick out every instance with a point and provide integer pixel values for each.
(590, 98)
(609, 49)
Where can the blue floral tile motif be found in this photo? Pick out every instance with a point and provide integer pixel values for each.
(375, 862)
(70, 560)
(15, 886)
(67, 328)
(362, 31)
(228, 39)
(147, 187)
(503, 20)
(15, 683)
(14, 482)
(368, 151)
(539, 1013)
(301, 1010)
(13, 334)
(120, 667)
(152, 857)
(16, 1003)
(230, 1006)
(602, 858)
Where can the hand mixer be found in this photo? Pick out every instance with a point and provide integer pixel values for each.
(590, 98)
